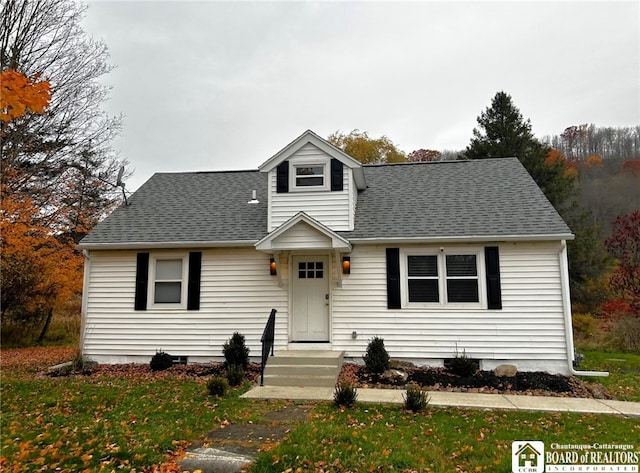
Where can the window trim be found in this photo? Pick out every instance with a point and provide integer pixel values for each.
(441, 254)
(326, 176)
(153, 259)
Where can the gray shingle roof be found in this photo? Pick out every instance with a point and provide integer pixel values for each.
(456, 199)
(189, 207)
(488, 197)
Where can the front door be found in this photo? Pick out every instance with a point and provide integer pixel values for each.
(310, 299)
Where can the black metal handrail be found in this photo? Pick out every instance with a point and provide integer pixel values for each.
(267, 342)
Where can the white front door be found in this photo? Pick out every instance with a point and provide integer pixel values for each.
(310, 299)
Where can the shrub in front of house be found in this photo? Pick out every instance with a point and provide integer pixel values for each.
(217, 386)
(416, 399)
(377, 359)
(235, 351)
(462, 365)
(235, 375)
(161, 361)
(345, 394)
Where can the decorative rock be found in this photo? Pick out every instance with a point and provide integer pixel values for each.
(598, 391)
(506, 370)
(394, 376)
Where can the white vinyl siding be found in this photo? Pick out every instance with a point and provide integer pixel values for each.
(529, 327)
(335, 209)
(300, 236)
(237, 294)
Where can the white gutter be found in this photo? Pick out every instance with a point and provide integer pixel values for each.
(85, 298)
(165, 245)
(566, 310)
(463, 239)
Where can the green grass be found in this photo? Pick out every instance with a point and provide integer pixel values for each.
(106, 423)
(623, 381)
(385, 438)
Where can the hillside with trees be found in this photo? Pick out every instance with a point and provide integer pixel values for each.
(606, 163)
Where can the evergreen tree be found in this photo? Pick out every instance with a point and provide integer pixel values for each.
(503, 132)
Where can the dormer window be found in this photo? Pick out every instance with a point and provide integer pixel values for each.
(310, 176)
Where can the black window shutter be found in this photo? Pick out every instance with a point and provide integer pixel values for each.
(193, 288)
(492, 263)
(336, 175)
(393, 278)
(142, 280)
(282, 177)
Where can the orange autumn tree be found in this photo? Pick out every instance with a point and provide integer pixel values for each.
(41, 272)
(20, 94)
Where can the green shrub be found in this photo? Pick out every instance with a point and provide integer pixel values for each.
(345, 394)
(235, 351)
(377, 358)
(585, 326)
(235, 375)
(161, 361)
(416, 398)
(217, 386)
(462, 365)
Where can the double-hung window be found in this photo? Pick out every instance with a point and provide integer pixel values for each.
(310, 176)
(168, 286)
(462, 278)
(439, 278)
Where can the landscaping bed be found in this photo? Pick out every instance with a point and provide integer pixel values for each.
(440, 379)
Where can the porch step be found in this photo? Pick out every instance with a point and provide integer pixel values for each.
(303, 368)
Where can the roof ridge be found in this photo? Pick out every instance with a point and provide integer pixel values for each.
(446, 161)
(225, 171)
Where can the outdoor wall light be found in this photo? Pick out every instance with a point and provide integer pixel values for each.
(346, 265)
(272, 267)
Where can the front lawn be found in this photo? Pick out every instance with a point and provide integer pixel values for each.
(106, 423)
(387, 438)
(132, 420)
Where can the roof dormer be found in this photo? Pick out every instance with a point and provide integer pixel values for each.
(310, 138)
(311, 175)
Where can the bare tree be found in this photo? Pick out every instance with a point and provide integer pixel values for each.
(46, 153)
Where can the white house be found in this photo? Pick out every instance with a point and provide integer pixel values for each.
(435, 258)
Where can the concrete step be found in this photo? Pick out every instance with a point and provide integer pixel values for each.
(299, 370)
(303, 368)
(307, 381)
(316, 358)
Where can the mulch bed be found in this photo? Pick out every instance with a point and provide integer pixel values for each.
(432, 379)
(439, 379)
(139, 370)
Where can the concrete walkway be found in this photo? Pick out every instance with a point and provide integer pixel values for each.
(456, 399)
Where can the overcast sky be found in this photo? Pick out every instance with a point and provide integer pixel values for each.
(225, 85)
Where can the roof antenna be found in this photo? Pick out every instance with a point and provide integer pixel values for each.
(119, 183)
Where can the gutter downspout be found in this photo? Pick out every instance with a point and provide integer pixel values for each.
(566, 311)
(85, 298)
